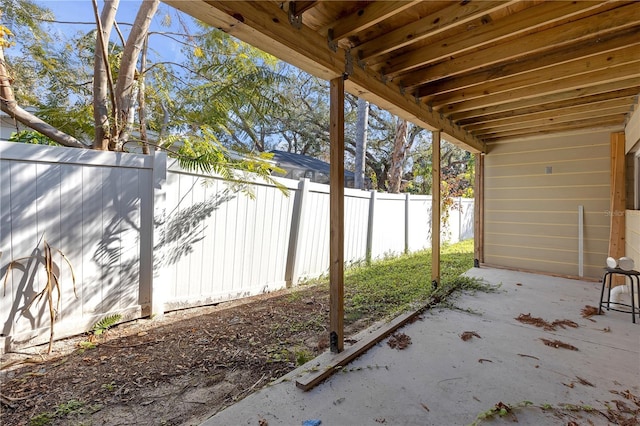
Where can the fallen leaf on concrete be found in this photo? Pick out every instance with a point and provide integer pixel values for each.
(584, 382)
(529, 356)
(558, 344)
(469, 334)
(589, 311)
(549, 326)
(425, 406)
(399, 341)
(481, 360)
(263, 422)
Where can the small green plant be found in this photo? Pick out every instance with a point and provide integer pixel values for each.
(87, 345)
(41, 419)
(71, 406)
(303, 356)
(109, 386)
(64, 409)
(501, 410)
(105, 324)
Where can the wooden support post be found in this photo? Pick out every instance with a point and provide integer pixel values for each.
(435, 209)
(618, 199)
(336, 225)
(478, 214)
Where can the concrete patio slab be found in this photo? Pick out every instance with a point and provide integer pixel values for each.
(441, 379)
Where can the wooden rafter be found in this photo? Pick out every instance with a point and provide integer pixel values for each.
(488, 32)
(546, 40)
(440, 21)
(563, 61)
(367, 17)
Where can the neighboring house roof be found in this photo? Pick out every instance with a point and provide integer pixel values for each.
(301, 166)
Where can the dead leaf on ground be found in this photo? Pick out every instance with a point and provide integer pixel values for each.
(558, 344)
(399, 341)
(481, 360)
(469, 334)
(589, 311)
(585, 382)
(549, 326)
(425, 406)
(263, 422)
(529, 356)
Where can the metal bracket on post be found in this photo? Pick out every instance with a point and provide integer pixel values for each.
(331, 42)
(333, 342)
(348, 64)
(295, 18)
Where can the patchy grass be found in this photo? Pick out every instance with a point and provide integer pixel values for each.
(390, 286)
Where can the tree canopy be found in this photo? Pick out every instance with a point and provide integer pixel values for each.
(108, 88)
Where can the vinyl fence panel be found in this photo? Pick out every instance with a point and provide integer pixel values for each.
(220, 242)
(88, 205)
(144, 238)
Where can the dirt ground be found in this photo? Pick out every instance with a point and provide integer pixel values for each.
(179, 369)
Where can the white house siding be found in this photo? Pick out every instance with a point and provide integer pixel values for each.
(531, 216)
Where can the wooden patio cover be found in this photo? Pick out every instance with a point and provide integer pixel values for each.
(476, 71)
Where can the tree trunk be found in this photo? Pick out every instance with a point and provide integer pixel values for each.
(361, 142)
(126, 75)
(9, 105)
(398, 156)
(102, 80)
(141, 99)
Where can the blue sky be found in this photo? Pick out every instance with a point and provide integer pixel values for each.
(82, 11)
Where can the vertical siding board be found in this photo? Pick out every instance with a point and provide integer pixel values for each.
(71, 231)
(197, 205)
(8, 303)
(208, 244)
(133, 184)
(25, 241)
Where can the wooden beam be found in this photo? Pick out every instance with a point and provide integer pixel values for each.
(594, 114)
(559, 85)
(369, 16)
(629, 87)
(500, 103)
(584, 51)
(336, 237)
(486, 33)
(496, 82)
(478, 213)
(437, 22)
(612, 124)
(435, 208)
(618, 196)
(314, 378)
(551, 113)
(562, 35)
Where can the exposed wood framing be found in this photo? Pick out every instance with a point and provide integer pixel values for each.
(457, 66)
(265, 25)
(478, 219)
(618, 196)
(435, 208)
(336, 196)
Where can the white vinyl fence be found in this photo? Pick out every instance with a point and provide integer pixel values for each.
(144, 237)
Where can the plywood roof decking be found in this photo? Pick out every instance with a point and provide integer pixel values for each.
(481, 71)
